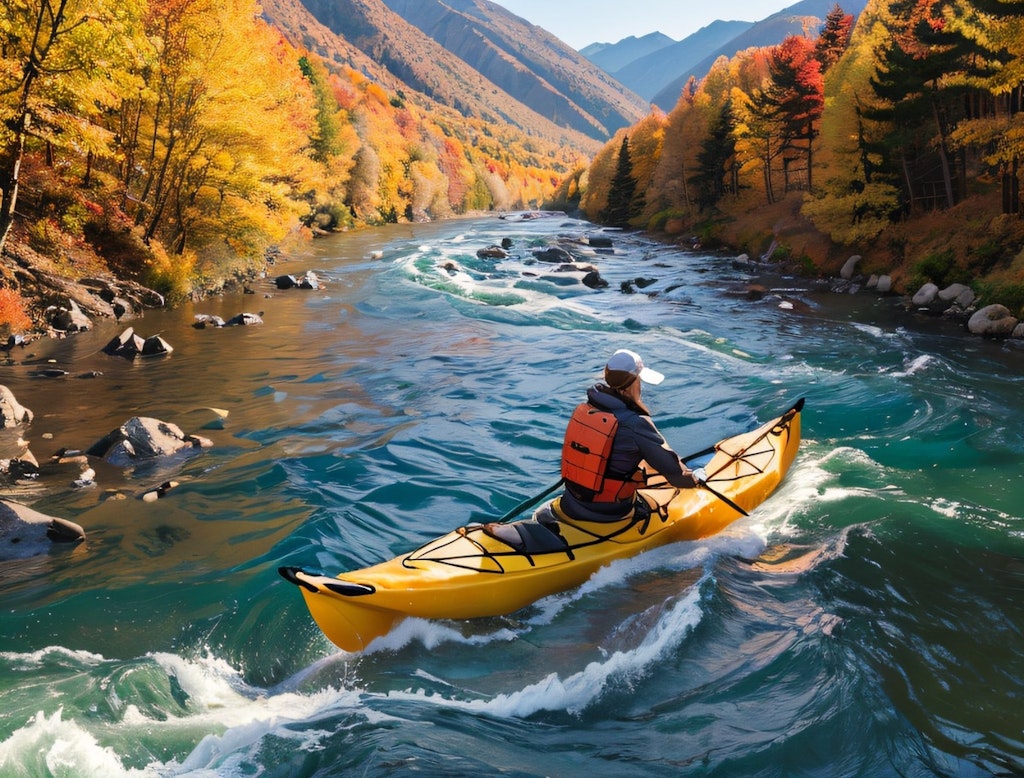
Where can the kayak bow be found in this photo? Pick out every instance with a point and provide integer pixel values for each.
(496, 568)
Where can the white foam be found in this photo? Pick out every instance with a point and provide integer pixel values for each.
(578, 691)
(237, 716)
(432, 634)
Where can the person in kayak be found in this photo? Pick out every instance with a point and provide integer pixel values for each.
(605, 441)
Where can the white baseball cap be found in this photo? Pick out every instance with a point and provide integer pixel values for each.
(626, 366)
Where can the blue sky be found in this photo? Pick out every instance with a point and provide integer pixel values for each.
(582, 22)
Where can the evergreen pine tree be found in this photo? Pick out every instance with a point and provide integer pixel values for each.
(621, 195)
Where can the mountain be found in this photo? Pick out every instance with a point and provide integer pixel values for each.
(803, 18)
(612, 57)
(527, 62)
(660, 74)
(471, 56)
(649, 74)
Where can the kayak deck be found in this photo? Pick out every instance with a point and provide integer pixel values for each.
(494, 569)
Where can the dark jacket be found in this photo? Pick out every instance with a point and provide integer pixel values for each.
(636, 440)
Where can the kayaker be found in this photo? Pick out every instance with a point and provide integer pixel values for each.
(605, 441)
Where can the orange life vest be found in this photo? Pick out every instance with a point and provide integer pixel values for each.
(585, 452)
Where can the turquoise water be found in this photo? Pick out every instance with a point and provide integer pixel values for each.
(865, 621)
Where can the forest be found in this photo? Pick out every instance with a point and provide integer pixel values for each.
(180, 139)
(899, 137)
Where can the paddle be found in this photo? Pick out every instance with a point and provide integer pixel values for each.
(527, 503)
(722, 497)
(537, 498)
(797, 407)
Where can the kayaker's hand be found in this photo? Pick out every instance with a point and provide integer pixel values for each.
(699, 475)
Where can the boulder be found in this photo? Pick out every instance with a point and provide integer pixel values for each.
(204, 320)
(594, 280)
(309, 281)
(244, 320)
(154, 345)
(850, 267)
(70, 319)
(25, 533)
(925, 295)
(12, 413)
(960, 295)
(143, 437)
(884, 284)
(553, 254)
(286, 282)
(127, 345)
(492, 252)
(993, 321)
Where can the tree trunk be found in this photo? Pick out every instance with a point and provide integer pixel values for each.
(10, 177)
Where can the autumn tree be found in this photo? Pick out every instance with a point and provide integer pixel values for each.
(797, 89)
(834, 37)
(919, 82)
(61, 62)
(222, 109)
(858, 194)
(997, 125)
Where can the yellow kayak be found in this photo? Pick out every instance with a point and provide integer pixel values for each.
(497, 568)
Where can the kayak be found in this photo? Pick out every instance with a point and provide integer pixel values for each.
(496, 568)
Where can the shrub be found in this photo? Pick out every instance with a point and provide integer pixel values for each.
(13, 316)
(938, 268)
(1008, 293)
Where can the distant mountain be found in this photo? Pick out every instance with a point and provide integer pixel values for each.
(471, 56)
(803, 18)
(611, 57)
(651, 73)
(660, 74)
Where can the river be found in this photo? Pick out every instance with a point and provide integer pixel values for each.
(865, 621)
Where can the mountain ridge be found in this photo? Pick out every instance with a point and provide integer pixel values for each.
(555, 93)
(660, 75)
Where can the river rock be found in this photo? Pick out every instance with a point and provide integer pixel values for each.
(12, 413)
(154, 345)
(884, 284)
(245, 320)
(850, 267)
(25, 533)
(143, 437)
(925, 295)
(308, 281)
(553, 254)
(204, 320)
(127, 345)
(959, 294)
(492, 252)
(69, 319)
(993, 321)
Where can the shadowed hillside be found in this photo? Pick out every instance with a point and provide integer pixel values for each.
(473, 57)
